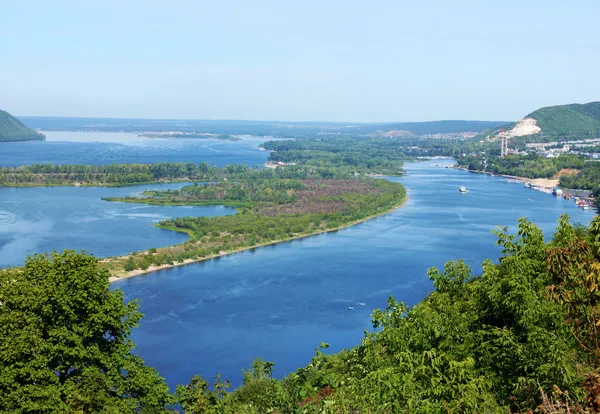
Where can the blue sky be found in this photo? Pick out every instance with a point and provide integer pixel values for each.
(338, 60)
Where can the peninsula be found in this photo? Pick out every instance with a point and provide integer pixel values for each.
(270, 211)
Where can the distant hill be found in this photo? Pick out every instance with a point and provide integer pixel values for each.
(267, 128)
(551, 122)
(435, 127)
(11, 129)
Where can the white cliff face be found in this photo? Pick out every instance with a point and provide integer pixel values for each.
(526, 126)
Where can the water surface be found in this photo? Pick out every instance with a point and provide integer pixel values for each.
(43, 219)
(100, 148)
(280, 302)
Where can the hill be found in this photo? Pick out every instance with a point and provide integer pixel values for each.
(285, 129)
(11, 129)
(569, 120)
(435, 127)
(551, 122)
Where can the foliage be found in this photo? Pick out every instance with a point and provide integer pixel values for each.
(588, 178)
(527, 166)
(128, 174)
(270, 210)
(372, 155)
(11, 129)
(64, 342)
(520, 337)
(576, 120)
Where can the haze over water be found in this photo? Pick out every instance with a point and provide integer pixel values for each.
(276, 302)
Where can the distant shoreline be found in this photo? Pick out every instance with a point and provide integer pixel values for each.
(540, 182)
(152, 269)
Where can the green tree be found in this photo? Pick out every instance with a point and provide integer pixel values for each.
(64, 342)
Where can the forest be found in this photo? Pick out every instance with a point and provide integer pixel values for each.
(373, 155)
(522, 337)
(269, 210)
(584, 174)
(526, 166)
(130, 174)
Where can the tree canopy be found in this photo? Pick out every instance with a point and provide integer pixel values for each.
(64, 342)
(521, 337)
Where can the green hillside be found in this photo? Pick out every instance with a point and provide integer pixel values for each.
(11, 129)
(581, 120)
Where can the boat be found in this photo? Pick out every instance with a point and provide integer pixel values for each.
(462, 189)
(361, 303)
(350, 307)
(585, 207)
(527, 185)
(557, 191)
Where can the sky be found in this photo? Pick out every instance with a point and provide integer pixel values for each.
(335, 60)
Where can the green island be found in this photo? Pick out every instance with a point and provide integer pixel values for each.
(11, 129)
(521, 337)
(291, 203)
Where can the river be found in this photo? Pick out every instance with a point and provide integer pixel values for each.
(43, 219)
(279, 302)
(99, 148)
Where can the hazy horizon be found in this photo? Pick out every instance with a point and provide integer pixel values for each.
(335, 61)
(286, 121)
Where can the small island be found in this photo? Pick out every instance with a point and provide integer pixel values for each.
(11, 130)
(270, 210)
(197, 135)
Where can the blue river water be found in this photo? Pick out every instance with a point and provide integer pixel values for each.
(98, 148)
(43, 219)
(279, 302)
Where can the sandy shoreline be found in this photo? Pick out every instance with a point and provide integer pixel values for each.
(540, 182)
(151, 269)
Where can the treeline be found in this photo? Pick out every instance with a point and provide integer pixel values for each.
(369, 155)
(127, 174)
(363, 154)
(269, 211)
(522, 337)
(239, 192)
(526, 166)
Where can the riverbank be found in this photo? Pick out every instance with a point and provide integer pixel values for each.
(151, 269)
(540, 182)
